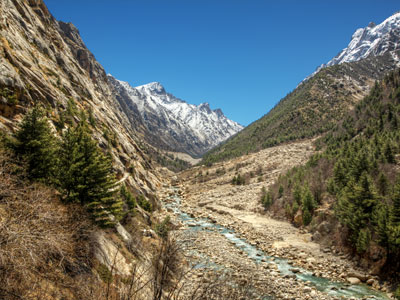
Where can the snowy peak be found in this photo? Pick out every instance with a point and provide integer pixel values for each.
(152, 88)
(219, 112)
(205, 107)
(185, 127)
(372, 40)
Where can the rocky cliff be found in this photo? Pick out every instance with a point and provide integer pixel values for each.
(45, 61)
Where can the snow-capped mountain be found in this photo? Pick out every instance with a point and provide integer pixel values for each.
(373, 40)
(184, 127)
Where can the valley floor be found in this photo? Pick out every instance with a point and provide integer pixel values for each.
(235, 210)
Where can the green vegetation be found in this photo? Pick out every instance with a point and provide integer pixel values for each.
(312, 109)
(171, 162)
(74, 164)
(144, 203)
(238, 180)
(86, 175)
(104, 273)
(356, 174)
(162, 228)
(10, 96)
(266, 198)
(35, 143)
(128, 198)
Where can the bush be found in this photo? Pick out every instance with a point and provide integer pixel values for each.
(306, 217)
(266, 198)
(128, 198)
(162, 228)
(144, 203)
(238, 180)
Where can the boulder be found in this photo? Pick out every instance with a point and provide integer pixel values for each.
(324, 228)
(353, 280)
(358, 275)
(316, 236)
(371, 281)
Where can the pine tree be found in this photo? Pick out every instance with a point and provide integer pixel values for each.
(363, 239)
(395, 211)
(306, 216)
(36, 144)
(356, 204)
(307, 199)
(382, 184)
(388, 153)
(382, 224)
(86, 176)
(339, 175)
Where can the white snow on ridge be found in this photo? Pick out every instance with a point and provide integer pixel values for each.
(181, 121)
(373, 40)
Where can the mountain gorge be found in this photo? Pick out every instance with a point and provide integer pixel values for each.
(323, 98)
(304, 203)
(180, 126)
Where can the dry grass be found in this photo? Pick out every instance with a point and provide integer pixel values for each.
(46, 252)
(45, 248)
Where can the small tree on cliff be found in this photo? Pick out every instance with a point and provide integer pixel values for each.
(86, 175)
(36, 144)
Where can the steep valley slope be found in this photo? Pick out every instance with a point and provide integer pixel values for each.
(323, 98)
(44, 62)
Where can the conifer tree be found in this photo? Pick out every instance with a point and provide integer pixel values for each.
(382, 184)
(36, 144)
(395, 211)
(364, 237)
(339, 175)
(382, 225)
(86, 176)
(307, 199)
(306, 216)
(388, 153)
(356, 204)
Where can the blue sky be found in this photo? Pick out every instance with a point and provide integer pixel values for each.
(242, 56)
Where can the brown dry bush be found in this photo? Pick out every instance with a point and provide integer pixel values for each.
(45, 249)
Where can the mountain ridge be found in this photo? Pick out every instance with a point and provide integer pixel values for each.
(372, 40)
(183, 127)
(321, 99)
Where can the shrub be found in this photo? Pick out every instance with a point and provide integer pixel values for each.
(144, 203)
(162, 228)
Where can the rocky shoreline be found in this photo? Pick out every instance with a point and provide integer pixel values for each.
(211, 245)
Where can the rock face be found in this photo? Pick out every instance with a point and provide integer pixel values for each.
(373, 40)
(179, 126)
(45, 61)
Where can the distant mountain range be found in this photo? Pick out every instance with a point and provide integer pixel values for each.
(324, 97)
(179, 126)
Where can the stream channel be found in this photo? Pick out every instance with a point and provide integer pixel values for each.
(325, 285)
